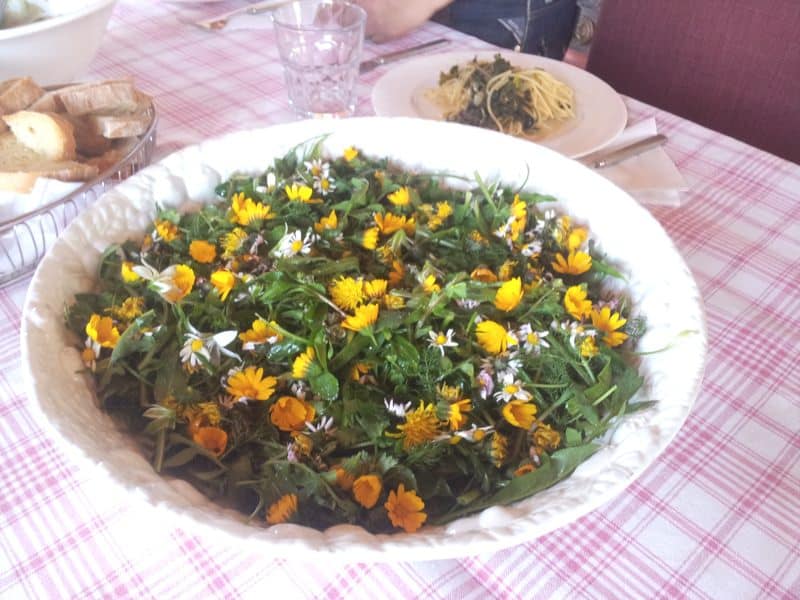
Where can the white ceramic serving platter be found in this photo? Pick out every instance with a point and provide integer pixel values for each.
(600, 114)
(661, 287)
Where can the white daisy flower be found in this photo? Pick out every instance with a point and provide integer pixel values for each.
(533, 341)
(199, 348)
(292, 244)
(442, 340)
(511, 390)
(531, 248)
(395, 408)
(325, 424)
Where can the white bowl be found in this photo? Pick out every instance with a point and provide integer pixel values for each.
(57, 49)
(661, 287)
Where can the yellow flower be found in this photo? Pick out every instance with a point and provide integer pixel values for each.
(370, 238)
(232, 242)
(576, 238)
(358, 370)
(389, 223)
(250, 384)
(260, 333)
(404, 509)
(483, 274)
(509, 295)
(130, 308)
(350, 154)
(327, 223)
(303, 363)
(367, 489)
(429, 285)
(443, 210)
(364, 316)
(213, 439)
(173, 283)
(299, 193)
(493, 337)
(545, 437)
(519, 210)
(102, 330)
(609, 323)
(422, 425)
(400, 198)
(576, 263)
(394, 302)
(127, 273)
(519, 414)
(375, 288)
(202, 251)
(223, 280)
(246, 211)
(499, 449)
(575, 302)
(588, 347)
(166, 230)
(344, 479)
(182, 281)
(506, 270)
(282, 509)
(456, 417)
(397, 274)
(289, 413)
(347, 293)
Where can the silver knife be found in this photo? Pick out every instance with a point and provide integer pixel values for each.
(601, 159)
(374, 63)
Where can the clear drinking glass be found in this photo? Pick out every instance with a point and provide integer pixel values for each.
(320, 45)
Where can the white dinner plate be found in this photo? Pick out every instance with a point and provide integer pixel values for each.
(660, 286)
(600, 112)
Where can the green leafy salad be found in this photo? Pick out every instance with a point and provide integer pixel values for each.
(340, 340)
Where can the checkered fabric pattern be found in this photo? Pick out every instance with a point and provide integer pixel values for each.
(716, 516)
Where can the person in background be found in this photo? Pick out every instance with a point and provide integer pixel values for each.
(545, 27)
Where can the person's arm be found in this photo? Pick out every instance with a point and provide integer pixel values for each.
(388, 19)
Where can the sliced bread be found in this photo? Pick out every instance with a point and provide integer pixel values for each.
(48, 134)
(18, 94)
(20, 166)
(100, 97)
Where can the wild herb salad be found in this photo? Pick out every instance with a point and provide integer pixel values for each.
(338, 340)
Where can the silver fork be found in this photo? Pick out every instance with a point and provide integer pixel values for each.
(220, 21)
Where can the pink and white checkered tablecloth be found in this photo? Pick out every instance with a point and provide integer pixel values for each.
(716, 516)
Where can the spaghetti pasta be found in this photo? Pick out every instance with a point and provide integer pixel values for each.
(495, 95)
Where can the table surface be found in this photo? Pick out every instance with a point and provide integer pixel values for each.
(716, 516)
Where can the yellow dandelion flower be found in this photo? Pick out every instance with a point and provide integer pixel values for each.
(102, 331)
(429, 285)
(375, 288)
(394, 302)
(289, 413)
(545, 437)
(483, 274)
(576, 263)
(328, 223)
(588, 347)
(223, 281)
(282, 510)
(519, 209)
(397, 274)
(260, 332)
(299, 193)
(369, 240)
(404, 509)
(303, 363)
(202, 251)
(127, 273)
(575, 302)
(232, 242)
(519, 413)
(250, 384)
(422, 425)
(213, 439)
(603, 320)
(576, 238)
(347, 293)
(443, 210)
(493, 337)
(182, 283)
(410, 227)
(350, 154)
(435, 222)
(509, 295)
(166, 230)
(367, 489)
(400, 198)
(457, 417)
(130, 308)
(364, 316)
(389, 223)
(499, 449)
(246, 210)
